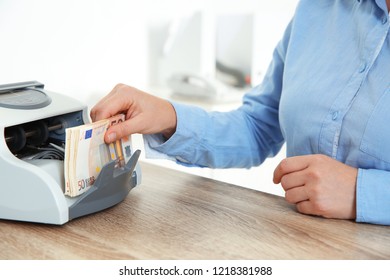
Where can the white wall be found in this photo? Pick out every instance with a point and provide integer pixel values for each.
(73, 47)
(84, 47)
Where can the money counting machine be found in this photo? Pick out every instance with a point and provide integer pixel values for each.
(32, 134)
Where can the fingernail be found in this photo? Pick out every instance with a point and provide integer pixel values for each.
(112, 137)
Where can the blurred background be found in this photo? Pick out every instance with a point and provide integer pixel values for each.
(207, 53)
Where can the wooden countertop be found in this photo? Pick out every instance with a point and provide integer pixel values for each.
(174, 215)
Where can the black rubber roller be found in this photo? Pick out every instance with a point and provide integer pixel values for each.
(37, 133)
(18, 138)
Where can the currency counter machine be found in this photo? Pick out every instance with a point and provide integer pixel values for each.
(33, 121)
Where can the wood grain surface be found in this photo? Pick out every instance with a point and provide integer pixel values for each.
(174, 215)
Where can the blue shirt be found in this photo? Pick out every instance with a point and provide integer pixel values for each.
(326, 91)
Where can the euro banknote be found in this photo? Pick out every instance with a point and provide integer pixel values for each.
(86, 153)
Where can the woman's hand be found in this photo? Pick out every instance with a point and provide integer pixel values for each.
(319, 185)
(145, 113)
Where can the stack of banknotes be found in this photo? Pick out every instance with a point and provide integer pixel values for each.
(86, 153)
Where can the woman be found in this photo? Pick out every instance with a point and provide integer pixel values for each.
(325, 94)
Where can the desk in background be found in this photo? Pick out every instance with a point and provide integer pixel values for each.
(174, 215)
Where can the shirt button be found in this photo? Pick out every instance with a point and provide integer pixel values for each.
(384, 19)
(362, 67)
(335, 115)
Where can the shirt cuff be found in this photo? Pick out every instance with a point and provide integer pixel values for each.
(373, 196)
(151, 142)
(181, 145)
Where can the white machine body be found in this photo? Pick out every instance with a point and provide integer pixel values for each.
(33, 190)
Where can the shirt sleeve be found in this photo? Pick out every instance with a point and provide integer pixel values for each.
(373, 196)
(240, 138)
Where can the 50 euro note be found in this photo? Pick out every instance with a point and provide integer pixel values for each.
(86, 153)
